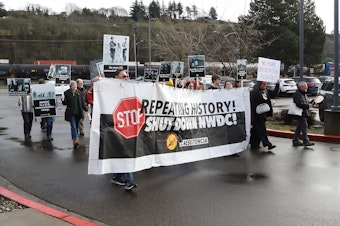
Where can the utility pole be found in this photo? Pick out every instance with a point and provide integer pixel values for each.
(135, 49)
(301, 38)
(336, 106)
(149, 20)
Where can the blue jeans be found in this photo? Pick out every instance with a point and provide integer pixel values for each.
(49, 125)
(75, 126)
(124, 176)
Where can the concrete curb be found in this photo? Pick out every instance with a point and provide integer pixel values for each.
(313, 137)
(44, 209)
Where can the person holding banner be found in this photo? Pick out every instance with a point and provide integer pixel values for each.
(216, 81)
(228, 84)
(261, 108)
(76, 106)
(122, 179)
(26, 104)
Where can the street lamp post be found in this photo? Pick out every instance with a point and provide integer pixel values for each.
(135, 49)
(336, 106)
(333, 115)
(301, 38)
(149, 23)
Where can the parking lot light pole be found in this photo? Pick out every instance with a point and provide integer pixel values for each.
(149, 42)
(336, 106)
(301, 38)
(135, 49)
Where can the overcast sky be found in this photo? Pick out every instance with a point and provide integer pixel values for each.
(226, 9)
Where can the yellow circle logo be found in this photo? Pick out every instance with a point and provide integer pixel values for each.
(171, 141)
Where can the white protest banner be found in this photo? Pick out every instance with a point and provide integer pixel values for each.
(268, 70)
(137, 126)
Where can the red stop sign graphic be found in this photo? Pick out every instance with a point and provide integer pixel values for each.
(129, 117)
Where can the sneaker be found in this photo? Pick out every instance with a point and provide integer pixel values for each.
(270, 147)
(297, 143)
(129, 186)
(118, 181)
(49, 138)
(308, 143)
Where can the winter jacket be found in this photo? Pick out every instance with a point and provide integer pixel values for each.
(301, 101)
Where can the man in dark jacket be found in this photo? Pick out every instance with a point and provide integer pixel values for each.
(75, 107)
(81, 88)
(301, 101)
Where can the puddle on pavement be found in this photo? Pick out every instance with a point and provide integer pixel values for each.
(244, 178)
(335, 148)
(2, 130)
(43, 145)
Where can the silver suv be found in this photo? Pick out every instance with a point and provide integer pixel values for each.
(327, 91)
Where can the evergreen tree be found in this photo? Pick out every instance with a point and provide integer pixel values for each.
(154, 10)
(213, 13)
(188, 9)
(3, 12)
(194, 11)
(314, 35)
(172, 9)
(163, 9)
(137, 11)
(277, 26)
(179, 10)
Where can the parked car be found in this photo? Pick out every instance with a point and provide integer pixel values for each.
(313, 84)
(59, 89)
(287, 86)
(327, 92)
(248, 83)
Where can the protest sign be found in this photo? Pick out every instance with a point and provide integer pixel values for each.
(268, 70)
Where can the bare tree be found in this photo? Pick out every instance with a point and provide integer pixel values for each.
(71, 7)
(176, 41)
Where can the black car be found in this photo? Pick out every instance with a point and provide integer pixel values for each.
(327, 92)
(313, 84)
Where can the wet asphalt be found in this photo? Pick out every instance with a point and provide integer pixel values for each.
(291, 186)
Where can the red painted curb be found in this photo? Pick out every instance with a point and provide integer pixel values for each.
(314, 137)
(44, 209)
